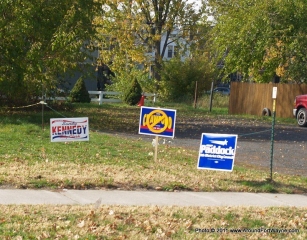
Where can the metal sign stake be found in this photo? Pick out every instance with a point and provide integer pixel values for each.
(274, 95)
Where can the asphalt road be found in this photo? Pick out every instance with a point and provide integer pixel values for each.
(245, 130)
(255, 146)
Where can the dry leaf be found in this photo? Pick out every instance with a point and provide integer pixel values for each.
(97, 203)
(81, 224)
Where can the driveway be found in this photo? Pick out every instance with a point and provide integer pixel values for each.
(254, 143)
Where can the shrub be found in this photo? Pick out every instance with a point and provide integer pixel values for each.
(133, 94)
(178, 79)
(79, 92)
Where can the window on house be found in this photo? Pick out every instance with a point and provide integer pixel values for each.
(176, 51)
(170, 51)
(152, 71)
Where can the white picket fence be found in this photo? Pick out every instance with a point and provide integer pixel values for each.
(112, 97)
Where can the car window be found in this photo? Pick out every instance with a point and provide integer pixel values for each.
(222, 90)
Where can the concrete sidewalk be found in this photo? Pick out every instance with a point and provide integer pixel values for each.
(143, 198)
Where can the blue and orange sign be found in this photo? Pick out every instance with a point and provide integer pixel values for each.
(157, 121)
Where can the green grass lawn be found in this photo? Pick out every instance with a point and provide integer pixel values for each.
(151, 222)
(28, 159)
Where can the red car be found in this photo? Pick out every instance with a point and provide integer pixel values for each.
(300, 110)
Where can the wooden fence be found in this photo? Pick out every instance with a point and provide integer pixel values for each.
(252, 98)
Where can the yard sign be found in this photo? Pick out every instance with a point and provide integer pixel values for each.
(217, 151)
(69, 129)
(157, 121)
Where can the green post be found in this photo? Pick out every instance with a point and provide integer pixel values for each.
(42, 107)
(272, 132)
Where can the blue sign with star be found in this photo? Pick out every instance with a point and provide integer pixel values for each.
(217, 151)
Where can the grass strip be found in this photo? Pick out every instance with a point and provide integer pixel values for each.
(151, 222)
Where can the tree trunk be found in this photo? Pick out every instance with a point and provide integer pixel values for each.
(158, 59)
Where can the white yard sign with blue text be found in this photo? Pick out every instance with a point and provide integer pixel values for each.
(69, 129)
(217, 151)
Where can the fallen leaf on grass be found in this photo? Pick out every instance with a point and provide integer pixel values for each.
(81, 224)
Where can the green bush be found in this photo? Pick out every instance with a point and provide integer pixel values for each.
(79, 92)
(133, 94)
(178, 79)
